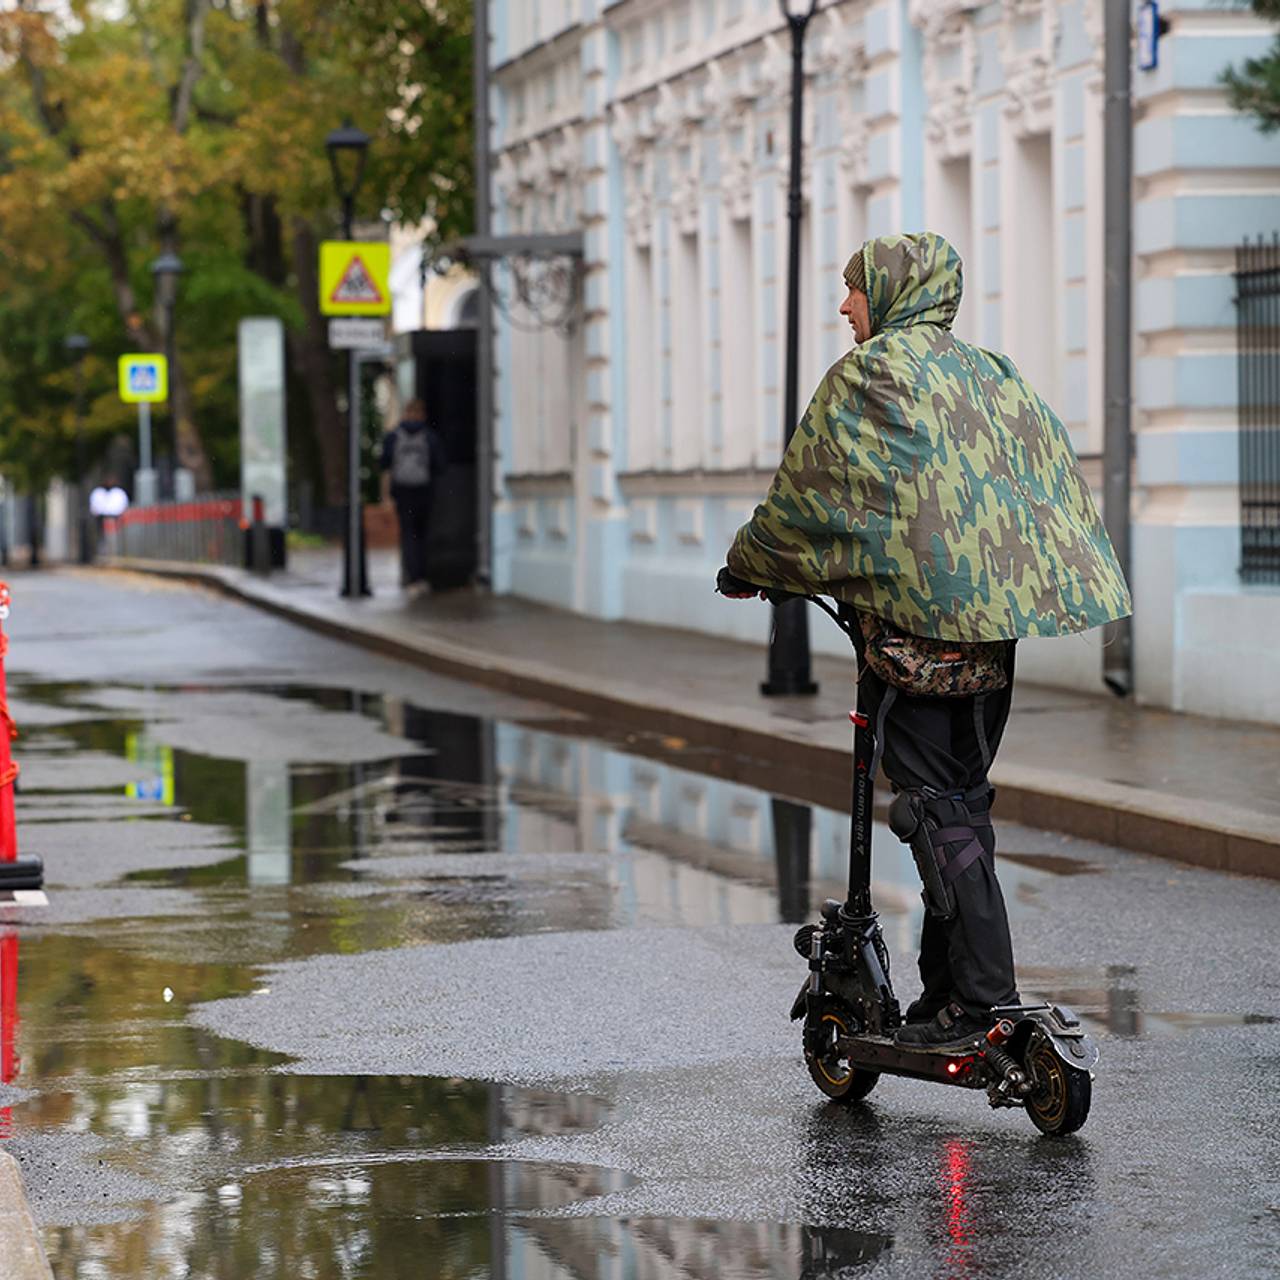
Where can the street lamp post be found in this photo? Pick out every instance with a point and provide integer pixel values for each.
(166, 269)
(789, 660)
(348, 150)
(77, 345)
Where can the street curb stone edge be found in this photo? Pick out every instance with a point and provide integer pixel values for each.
(22, 1256)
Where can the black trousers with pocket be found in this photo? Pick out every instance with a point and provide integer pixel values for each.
(413, 510)
(932, 746)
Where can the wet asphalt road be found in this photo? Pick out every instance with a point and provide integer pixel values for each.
(352, 971)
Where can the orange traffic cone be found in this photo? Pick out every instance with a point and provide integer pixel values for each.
(15, 872)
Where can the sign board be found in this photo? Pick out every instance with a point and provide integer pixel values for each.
(1150, 28)
(351, 333)
(144, 379)
(355, 278)
(263, 473)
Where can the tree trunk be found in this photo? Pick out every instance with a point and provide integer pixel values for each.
(311, 354)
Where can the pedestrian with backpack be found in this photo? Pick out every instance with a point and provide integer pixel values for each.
(414, 455)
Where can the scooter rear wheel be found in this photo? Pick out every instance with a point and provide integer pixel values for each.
(835, 1077)
(1060, 1097)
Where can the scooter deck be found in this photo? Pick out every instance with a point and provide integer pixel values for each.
(952, 1065)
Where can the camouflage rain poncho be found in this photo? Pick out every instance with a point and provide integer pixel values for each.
(929, 485)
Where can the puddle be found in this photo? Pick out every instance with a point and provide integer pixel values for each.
(438, 828)
(450, 1219)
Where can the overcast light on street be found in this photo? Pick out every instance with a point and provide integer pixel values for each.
(637, 639)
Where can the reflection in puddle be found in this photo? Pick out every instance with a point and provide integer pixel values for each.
(269, 1173)
(453, 1219)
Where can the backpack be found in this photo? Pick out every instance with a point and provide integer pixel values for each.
(411, 459)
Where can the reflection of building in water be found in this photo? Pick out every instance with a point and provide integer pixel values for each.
(707, 850)
(267, 821)
(448, 786)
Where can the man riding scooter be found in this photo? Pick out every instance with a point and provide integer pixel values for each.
(936, 498)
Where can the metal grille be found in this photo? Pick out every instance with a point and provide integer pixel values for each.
(205, 532)
(1258, 318)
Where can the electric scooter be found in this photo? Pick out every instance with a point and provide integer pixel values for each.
(1035, 1056)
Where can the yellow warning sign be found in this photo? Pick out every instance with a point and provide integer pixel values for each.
(355, 278)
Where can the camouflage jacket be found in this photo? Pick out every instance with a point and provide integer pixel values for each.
(929, 485)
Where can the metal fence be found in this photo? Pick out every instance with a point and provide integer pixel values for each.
(205, 532)
(1258, 318)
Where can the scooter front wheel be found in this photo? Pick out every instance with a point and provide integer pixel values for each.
(835, 1077)
(1060, 1096)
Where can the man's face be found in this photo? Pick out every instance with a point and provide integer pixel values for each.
(857, 310)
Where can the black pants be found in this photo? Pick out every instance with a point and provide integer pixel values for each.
(413, 509)
(933, 744)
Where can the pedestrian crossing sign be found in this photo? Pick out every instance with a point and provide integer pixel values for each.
(144, 379)
(355, 278)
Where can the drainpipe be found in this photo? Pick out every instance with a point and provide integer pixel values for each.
(484, 335)
(1117, 341)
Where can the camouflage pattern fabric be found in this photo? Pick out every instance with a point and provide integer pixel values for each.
(929, 485)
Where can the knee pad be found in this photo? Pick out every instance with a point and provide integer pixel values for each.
(913, 825)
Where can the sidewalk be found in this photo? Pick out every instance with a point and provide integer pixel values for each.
(1184, 787)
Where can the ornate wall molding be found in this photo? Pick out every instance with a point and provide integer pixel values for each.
(931, 16)
(632, 129)
(1029, 65)
(949, 73)
(540, 181)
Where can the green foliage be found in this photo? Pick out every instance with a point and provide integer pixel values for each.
(1254, 85)
(145, 125)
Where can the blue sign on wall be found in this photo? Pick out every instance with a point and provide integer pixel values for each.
(1151, 26)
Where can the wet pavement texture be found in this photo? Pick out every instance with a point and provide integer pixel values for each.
(351, 971)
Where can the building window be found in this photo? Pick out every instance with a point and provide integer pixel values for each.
(1258, 303)
(642, 372)
(739, 345)
(1031, 286)
(951, 214)
(689, 408)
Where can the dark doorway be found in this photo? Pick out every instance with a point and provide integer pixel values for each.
(439, 365)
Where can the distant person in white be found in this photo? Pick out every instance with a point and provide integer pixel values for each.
(108, 501)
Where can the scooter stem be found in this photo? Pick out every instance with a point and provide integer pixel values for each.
(864, 753)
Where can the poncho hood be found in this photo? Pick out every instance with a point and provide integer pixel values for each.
(929, 484)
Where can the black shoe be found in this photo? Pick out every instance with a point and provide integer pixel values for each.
(925, 1009)
(953, 1028)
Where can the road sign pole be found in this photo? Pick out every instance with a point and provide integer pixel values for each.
(145, 488)
(355, 576)
(144, 436)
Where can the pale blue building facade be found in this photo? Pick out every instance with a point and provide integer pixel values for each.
(634, 438)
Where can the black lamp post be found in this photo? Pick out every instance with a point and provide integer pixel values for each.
(789, 661)
(348, 150)
(166, 269)
(77, 345)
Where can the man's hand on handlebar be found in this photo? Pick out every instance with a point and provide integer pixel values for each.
(736, 588)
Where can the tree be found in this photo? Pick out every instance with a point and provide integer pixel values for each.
(198, 126)
(1254, 86)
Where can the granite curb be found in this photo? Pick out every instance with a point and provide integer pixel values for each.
(22, 1256)
(1200, 833)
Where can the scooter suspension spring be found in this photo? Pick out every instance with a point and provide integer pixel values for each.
(1004, 1063)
